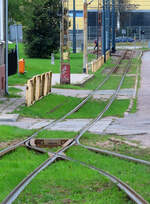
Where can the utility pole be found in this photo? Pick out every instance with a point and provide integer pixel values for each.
(108, 25)
(74, 26)
(113, 27)
(98, 26)
(64, 46)
(85, 55)
(103, 32)
(6, 46)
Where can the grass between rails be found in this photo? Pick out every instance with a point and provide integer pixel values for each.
(105, 142)
(68, 182)
(9, 133)
(34, 66)
(99, 76)
(136, 175)
(55, 106)
(15, 166)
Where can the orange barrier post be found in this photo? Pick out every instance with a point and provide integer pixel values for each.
(21, 66)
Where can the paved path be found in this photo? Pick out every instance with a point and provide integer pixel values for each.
(137, 126)
(100, 94)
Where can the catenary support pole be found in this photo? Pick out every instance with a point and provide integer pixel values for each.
(103, 32)
(109, 30)
(6, 45)
(113, 27)
(85, 54)
(74, 26)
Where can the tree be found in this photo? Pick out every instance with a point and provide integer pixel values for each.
(42, 34)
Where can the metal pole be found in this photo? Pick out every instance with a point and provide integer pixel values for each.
(17, 48)
(74, 26)
(103, 32)
(6, 46)
(113, 27)
(85, 56)
(97, 22)
(109, 30)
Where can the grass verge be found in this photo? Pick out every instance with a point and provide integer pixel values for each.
(34, 66)
(9, 133)
(69, 182)
(55, 106)
(14, 168)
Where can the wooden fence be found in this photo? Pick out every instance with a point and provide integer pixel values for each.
(107, 55)
(96, 64)
(38, 87)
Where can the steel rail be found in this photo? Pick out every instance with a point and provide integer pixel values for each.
(109, 153)
(133, 195)
(130, 192)
(13, 147)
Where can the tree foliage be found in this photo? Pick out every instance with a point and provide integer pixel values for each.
(42, 33)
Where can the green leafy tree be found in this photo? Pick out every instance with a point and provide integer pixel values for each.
(42, 33)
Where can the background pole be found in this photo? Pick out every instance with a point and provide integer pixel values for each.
(113, 27)
(103, 32)
(6, 45)
(85, 55)
(74, 26)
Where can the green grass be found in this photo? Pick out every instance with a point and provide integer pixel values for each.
(14, 92)
(56, 134)
(134, 107)
(112, 83)
(136, 175)
(104, 142)
(15, 166)
(68, 182)
(9, 133)
(55, 106)
(34, 66)
(135, 62)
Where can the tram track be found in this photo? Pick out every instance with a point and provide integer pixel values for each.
(13, 147)
(60, 154)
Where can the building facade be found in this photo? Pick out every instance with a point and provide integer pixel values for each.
(134, 16)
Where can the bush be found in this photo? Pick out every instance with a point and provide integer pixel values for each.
(42, 36)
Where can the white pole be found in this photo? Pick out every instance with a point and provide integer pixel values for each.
(17, 48)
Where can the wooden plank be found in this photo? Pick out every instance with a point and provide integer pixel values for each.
(38, 88)
(42, 84)
(50, 88)
(46, 84)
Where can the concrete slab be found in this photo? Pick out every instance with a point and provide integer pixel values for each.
(124, 93)
(9, 117)
(75, 125)
(76, 79)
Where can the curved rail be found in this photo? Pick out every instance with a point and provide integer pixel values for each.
(13, 147)
(129, 191)
(121, 185)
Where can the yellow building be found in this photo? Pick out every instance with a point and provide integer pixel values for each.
(135, 16)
